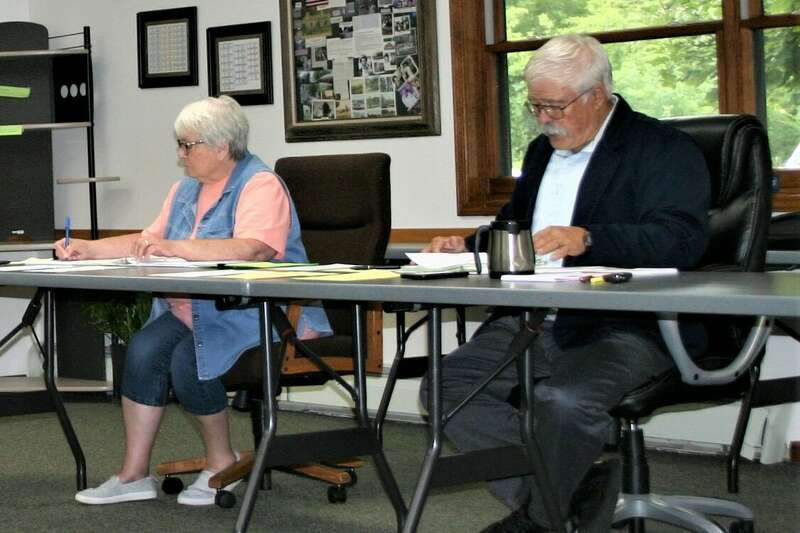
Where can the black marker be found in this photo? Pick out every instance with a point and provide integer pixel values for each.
(617, 277)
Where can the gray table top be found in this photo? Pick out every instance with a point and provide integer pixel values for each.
(25, 246)
(773, 294)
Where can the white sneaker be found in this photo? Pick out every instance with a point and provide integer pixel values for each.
(199, 493)
(114, 491)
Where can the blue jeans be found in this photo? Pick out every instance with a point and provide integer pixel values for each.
(163, 352)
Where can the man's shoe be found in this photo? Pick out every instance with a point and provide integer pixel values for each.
(596, 498)
(516, 522)
(199, 493)
(114, 491)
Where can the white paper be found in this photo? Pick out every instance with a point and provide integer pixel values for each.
(440, 260)
(80, 268)
(201, 273)
(341, 50)
(559, 274)
(151, 260)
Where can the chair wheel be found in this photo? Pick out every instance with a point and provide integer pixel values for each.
(742, 526)
(225, 499)
(172, 485)
(337, 494)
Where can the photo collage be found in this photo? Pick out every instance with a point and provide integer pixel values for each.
(356, 59)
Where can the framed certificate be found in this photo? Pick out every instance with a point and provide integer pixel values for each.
(167, 45)
(240, 62)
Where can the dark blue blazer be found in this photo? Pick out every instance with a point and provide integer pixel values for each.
(644, 196)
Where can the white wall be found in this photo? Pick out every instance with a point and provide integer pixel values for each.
(133, 134)
(14, 10)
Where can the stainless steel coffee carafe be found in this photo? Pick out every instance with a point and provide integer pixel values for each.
(510, 248)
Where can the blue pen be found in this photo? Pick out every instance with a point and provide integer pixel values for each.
(66, 232)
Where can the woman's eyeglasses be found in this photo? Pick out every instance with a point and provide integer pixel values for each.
(186, 146)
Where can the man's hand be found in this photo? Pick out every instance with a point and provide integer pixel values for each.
(452, 244)
(559, 241)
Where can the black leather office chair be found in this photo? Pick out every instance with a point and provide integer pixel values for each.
(343, 203)
(737, 153)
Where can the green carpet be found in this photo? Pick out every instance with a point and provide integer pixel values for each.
(38, 482)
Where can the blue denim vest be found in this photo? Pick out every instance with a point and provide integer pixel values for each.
(220, 337)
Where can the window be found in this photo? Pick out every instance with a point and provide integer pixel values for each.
(670, 58)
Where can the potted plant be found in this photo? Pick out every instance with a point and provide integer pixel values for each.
(119, 315)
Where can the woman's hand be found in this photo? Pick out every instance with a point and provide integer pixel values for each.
(78, 249)
(148, 244)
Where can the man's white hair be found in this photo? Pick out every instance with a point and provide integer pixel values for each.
(576, 61)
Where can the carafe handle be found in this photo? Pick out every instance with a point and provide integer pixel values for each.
(477, 248)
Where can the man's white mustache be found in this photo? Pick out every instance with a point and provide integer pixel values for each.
(553, 130)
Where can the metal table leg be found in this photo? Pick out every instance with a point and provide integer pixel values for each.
(277, 450)
(464, 467)
(435, 416)
(384, 472)
(55, 398)
(269, 420)
(525, 373)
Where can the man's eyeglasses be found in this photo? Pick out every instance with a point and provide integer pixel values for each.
(555, 112)
(186, 146)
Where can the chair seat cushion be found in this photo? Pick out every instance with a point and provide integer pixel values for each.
(669, 389)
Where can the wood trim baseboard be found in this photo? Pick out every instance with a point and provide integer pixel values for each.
(425, 234)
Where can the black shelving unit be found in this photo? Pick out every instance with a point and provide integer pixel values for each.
(58, 72)
(61, 96)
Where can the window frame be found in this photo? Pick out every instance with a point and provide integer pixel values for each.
(478, 74)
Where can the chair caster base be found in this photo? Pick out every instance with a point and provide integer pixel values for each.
(172, 485)
(742, 526)
(337, 494)
(225, 499)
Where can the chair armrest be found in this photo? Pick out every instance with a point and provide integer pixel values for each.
(694, 375)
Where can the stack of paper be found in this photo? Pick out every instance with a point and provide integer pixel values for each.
(443, 261)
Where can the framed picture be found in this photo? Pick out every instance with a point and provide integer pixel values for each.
(240, 62)
(167, 44)
(359, 69)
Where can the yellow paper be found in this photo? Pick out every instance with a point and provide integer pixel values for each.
(10, 130)
(361, 275)
(268, 274)
(262, 264)
(9, 91)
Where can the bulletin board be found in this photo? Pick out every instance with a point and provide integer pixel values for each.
(357, 69)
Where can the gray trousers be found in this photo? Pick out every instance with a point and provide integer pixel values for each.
(573, 393)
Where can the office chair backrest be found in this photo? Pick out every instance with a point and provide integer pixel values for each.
(738, 158)
(737, 153)
(343, 202)
(344, 206)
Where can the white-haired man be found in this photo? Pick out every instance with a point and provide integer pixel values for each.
(602, 185)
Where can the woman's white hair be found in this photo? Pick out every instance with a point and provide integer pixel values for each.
(218, 121)
(577, 61)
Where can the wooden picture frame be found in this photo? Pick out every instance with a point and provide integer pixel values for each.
(240, 62)
(360, 69)
(167, 47)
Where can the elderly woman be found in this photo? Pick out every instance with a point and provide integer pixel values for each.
(229, 206)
